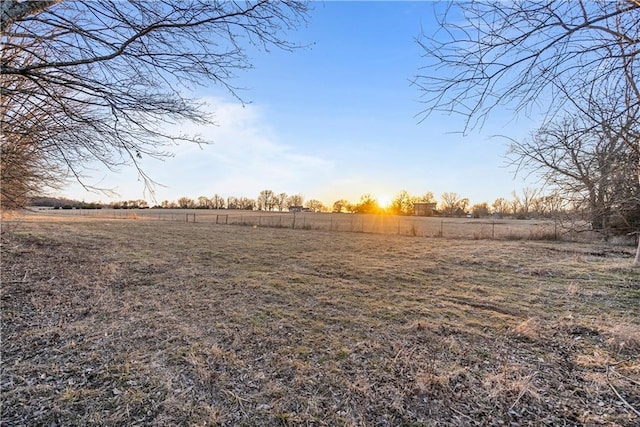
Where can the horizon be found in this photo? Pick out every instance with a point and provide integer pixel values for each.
(383, 202)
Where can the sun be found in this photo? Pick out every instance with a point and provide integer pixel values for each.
(384, 200)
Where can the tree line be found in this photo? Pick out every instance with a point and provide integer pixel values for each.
(529, 203)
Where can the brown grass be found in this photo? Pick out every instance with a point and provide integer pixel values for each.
(116, 322)
(467, 228)
(531, 329)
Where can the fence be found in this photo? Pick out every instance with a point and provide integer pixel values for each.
(360, 223)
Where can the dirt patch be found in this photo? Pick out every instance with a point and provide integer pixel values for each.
(155, 323)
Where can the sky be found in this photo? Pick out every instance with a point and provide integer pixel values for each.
(336, 119)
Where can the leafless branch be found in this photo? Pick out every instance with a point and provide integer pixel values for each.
(100, 81)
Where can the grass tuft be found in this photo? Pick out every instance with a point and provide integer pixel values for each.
(531, 329)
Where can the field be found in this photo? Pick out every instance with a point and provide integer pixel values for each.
(468, 228)
(131, 322)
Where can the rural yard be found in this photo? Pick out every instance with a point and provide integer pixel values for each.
(139, 322)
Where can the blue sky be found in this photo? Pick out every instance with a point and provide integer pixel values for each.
(333, 121)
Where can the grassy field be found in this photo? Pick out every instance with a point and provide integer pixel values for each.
(464, 228)
(129, 322)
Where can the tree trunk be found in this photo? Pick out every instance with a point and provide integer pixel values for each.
(636, 262)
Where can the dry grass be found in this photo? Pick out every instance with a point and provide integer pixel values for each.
(146, 323)
(467, 228)
(625, 338)
(531, 329)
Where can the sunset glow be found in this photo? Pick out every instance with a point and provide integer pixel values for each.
(384, 200)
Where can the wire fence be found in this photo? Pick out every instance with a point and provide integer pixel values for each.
(469, 228)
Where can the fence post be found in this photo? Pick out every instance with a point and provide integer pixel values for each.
(226, 219)
(187, 216)
(493, 230)
(441, 228)
(294, 221)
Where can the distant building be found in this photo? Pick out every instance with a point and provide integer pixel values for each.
(298, 209)
(424, 209)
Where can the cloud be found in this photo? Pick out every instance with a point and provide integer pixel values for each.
(245, 156)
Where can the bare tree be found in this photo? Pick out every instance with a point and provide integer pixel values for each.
(463, 206)
(427, 197)
(540, 207)
(25, 144)
(281, 201)
(589, 164)
(102, 81)
(368, 204)
(452, 204)
(24, 169)
(315, 205)
(203, 202)
(246, 203)
(403, 203)
(266, 200)
(186, 203)
(526, 54)
(528, 196)
(233, 202)
(501, 207)
(515, 205)
(295, 200)
(217, 202)
(340, 206)
(480, 210)
(521, 203)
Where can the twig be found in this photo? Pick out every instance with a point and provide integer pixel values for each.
(185, 391)
(523, 391)
(628, 379)
(617, 363)
(623, 376)
(461, 414)
(239, 399)
(622, 399)
(397, 355)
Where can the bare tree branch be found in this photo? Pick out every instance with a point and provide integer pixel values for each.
(104, 79)
(558, 57)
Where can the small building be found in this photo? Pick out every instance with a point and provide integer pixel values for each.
(298, 209)
(424, 209)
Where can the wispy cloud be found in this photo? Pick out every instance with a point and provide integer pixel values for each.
(245, 156)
